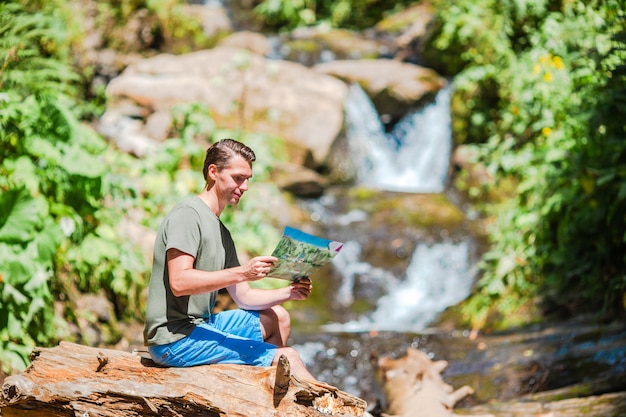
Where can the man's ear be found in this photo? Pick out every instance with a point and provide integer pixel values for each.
(212, 172)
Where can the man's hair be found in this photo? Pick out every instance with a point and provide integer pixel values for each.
(221, 152)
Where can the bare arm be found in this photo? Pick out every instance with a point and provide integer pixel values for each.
(250, 298)
(186, 280)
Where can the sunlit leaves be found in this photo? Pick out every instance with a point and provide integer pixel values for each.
(51, 173)
(353, 14)
(557, 131)
(21, 214)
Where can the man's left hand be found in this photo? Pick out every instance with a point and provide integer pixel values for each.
(301, 289)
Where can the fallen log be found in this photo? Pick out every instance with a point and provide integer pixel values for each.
(73, 380)
(605, 405)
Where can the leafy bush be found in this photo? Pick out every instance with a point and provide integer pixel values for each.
(350, 14)
(542, 86)
(64, 191)
(51, 176)
(144, 25)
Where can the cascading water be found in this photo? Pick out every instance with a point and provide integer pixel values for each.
(413, 157)
(439, 270)
(438, 276)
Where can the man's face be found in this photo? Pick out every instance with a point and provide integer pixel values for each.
(232, 181)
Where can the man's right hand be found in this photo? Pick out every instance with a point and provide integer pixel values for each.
(258, 267)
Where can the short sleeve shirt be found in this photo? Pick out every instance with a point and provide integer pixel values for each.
(193, 228)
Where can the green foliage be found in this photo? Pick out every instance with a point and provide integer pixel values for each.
(28, 240)
(351, 14)
(542, 89)
(53, 182)
(64, 192)
(159, 25)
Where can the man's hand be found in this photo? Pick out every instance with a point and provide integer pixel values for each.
(301, 289)
(258, 267)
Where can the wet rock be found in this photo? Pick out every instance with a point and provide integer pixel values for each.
(213, 19)
(393, 86)
(408, 28)
(298, 180)
(312, 45)
(251, 41)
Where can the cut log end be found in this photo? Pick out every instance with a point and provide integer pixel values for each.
(282, 379)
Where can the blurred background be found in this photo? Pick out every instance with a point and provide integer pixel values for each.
(470, 155)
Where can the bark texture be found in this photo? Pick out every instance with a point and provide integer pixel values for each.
(75, 380)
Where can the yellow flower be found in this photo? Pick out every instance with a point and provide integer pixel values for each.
(557, 62)
(546, 131)
(515, 110)
(547, 77)
(536, 69)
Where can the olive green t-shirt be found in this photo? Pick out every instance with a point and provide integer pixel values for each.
(193, 228)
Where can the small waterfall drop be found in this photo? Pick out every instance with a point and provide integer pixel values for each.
(439, 275)
(413, 157)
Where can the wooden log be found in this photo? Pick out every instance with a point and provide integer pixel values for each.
(75, 380)
(605, 405)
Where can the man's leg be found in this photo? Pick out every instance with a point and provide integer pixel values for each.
(276, 327)
(297, 366)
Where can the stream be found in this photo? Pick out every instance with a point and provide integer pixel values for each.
(388, 286)
(390, 281)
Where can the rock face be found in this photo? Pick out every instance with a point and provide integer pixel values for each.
(71, 380)
(242, 90)
(392, 85)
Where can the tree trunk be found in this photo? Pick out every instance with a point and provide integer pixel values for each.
(74, 380)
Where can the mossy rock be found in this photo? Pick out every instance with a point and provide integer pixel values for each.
(416, 210)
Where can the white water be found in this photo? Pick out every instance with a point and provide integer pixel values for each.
(415, 158)
(419, 164)
(438, 276)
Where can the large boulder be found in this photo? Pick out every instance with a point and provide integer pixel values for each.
(393, 86)
(243, 91)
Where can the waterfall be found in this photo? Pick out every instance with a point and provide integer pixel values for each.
(413, 157)
(439, 275)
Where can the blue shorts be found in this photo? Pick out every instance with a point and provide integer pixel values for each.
(232, 336)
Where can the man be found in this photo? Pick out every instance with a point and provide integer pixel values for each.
(194, 257)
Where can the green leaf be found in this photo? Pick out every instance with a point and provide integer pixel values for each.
(17, 270)
(22, 171)
(14, 357)
(48, 240)
(95, 249)
(79, 162)
(38, 280)
(20, 215)
(12, 295)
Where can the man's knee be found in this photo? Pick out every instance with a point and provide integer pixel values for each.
(290, 352)
(282, 316)
(275, 321)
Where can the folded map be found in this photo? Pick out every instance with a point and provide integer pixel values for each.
(300, 254)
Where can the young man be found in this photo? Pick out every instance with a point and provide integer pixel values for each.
(194, 257)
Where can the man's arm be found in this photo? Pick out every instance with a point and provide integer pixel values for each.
(186, 280)
(250, 298)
